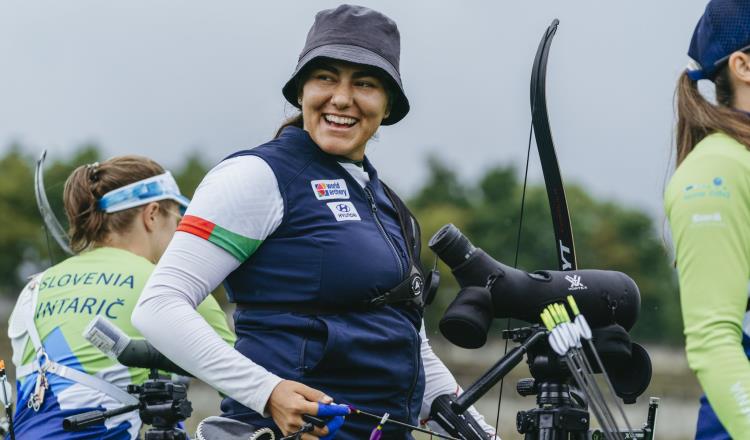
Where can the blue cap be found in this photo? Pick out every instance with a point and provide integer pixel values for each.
(723, 29)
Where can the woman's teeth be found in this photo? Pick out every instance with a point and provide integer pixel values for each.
(341, 120)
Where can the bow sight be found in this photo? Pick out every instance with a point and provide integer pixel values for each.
(489, 289)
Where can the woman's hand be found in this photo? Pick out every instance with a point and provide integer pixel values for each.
(290, 400)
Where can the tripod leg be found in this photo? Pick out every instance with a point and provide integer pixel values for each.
(579, 436)
(548, 434)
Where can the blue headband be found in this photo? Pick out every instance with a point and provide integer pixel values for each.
(152, 189)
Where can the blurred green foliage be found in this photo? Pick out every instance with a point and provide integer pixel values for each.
(608, 236)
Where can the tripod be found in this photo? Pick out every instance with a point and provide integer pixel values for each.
(561, 412)
(559, 415)
(161, 404)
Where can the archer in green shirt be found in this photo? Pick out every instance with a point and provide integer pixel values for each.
(708, 206)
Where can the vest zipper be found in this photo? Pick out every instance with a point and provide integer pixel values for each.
(374, 210)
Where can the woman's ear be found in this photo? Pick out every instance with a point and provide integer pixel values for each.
(739, 66)
(149, 216)
(390, 96)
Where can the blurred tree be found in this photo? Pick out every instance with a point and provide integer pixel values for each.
(190, 174)
(442, 187)
(20, 242)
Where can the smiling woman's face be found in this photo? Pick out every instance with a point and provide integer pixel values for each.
(343, 105)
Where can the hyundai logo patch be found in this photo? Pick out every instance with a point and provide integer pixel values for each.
(344, 211)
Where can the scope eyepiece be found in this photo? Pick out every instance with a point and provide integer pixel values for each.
(451, 245)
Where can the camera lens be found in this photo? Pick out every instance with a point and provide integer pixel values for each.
(451, 245)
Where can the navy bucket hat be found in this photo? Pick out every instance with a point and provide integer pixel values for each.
(723, 29)
(357, 35)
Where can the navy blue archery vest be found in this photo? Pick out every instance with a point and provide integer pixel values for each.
(338, 246)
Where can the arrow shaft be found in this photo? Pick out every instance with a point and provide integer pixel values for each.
(405, 425)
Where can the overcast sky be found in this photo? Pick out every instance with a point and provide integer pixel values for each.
(162, 78)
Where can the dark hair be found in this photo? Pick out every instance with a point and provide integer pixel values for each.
(698, 118)
(294, 121)
(88, 183)
(302, 76)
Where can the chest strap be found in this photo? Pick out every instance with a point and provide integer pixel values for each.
(43, 364)
(411, 289)
(408, 291)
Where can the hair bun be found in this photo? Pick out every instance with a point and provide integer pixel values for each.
(93, 171)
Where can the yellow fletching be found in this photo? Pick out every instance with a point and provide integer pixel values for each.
(547, 320)
(553, 312)
(551, 318)
(563, 313)
(573, 305)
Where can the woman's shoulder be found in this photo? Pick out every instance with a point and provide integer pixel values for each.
(718, 168)
(715, 155)
(291, 141)
(720, 146)
(241, 195)
(287, 154)
(109, 256)
(17, 319)
(238, 171)
(269, 164)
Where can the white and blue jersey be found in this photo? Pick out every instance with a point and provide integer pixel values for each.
(54, 309)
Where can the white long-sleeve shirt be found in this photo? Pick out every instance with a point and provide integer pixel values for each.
(241, 198)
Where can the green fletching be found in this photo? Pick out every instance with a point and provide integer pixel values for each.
(563, 313)
(552, 316)
(568, 318)
(573, 305)
(547, 320)
(553, 312)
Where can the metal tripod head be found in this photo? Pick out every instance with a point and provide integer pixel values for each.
(561, 412)
(161, 404)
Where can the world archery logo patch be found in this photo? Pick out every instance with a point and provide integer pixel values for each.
(344, 211)
(330, 189)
